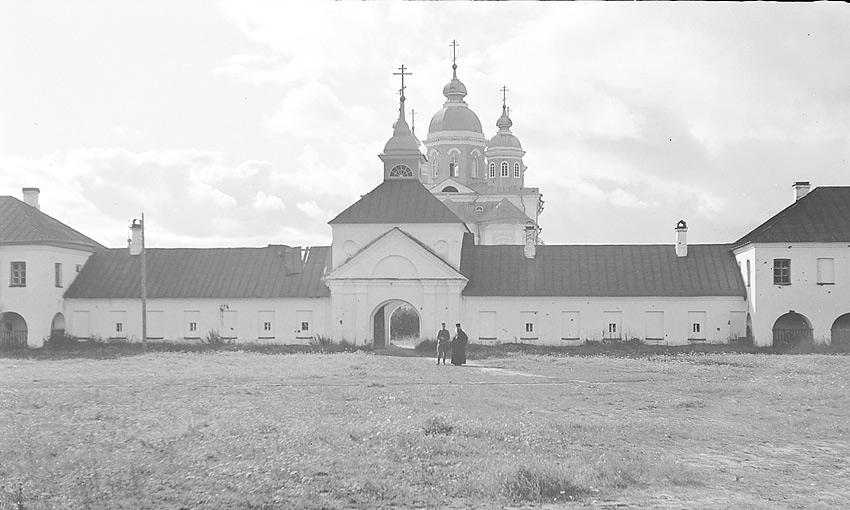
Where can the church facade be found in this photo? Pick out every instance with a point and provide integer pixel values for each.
(452, 232)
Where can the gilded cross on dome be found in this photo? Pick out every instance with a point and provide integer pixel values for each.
(454, 46)
(504, 91)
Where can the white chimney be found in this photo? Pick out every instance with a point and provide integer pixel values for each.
(530, 249)
(801, 189)
(681, 239)
(135, 237)
(31, 197)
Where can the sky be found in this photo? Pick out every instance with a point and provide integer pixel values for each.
(254, 123)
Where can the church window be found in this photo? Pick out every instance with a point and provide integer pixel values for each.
(492, 170)
(504, 169)
(474, 167)
(449, 189)
(434, 172)
(57, 274)
(19, 274)
(454, 167)
(401, 171)
(516, 170)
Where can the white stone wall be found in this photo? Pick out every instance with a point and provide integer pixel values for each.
(722, 318)
(247, 323)
(40, 300)
(821, 304)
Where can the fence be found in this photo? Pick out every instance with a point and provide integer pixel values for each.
(782, 337)
(13, 338)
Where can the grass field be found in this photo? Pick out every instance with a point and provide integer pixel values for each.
(356, 430)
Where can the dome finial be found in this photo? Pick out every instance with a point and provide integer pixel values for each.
(504, 123)
(401, 91)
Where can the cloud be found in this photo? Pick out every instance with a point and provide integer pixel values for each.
(311, 208)
(263, 202)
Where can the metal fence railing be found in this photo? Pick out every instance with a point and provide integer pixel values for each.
(13, 338)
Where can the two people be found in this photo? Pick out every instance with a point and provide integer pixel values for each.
(456, 345)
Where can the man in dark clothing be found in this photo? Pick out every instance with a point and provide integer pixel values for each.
(443, 343)
(459, 347)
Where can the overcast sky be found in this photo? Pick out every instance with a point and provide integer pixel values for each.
(247, 124)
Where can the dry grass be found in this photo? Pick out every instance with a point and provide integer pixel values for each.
(355, 430)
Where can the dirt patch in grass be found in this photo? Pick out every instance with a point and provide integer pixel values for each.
(355, 430)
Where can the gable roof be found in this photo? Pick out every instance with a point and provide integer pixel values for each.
(395, 232)
(601, 271)
(23, 224)
(271, 272)
(822, 216)
(397, 201)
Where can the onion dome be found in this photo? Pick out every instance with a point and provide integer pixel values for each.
(504, 138)
(455, 114)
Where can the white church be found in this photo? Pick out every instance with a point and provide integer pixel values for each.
(452, 232)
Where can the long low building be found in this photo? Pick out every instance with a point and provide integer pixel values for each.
(454, 238)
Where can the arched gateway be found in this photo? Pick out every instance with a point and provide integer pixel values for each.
(385, 329)
(791, 328)
(13, 330)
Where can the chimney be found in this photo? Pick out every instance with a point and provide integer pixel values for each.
(530, 241)
(31, 197)
(801, 189)
(135, 237)
(681, 239)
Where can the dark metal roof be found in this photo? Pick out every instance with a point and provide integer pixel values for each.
(397, 201)
(502, 211)
(22, 224)
(271, 272)
(601, 271)
(822, 216)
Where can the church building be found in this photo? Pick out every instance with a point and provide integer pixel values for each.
(452, 232)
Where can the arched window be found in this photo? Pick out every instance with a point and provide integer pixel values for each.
(454, 167)
(474, 167)
(492, 170)
(505, 169)
(449, 189)
(434, 172)
(516, 170)
(401, 171)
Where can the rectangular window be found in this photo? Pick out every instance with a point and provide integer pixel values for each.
(749, 272)
(696, 331)
(655, 326)
(57, 274)
(156, 324)
(516, 170)
(826, 271)
(781, 271)
(19, 274)
(487, 325)
(266, 323)
(192, 320)
(570, 327)
(529, 320)
(613, 325)
(303, 321)
(79, 267)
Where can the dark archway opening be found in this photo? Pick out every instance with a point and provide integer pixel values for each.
(840, 332)
(13, 330)
(395, 323)
(791, 329)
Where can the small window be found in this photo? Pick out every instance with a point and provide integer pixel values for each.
(193, 326)
(516, 170)
(19, 274)
(454, 167)
(696, 327)
(267, 326)
(749, 272)
(492, 170)
(505, 169)
(305, 326)
(434, 172)
(826, 271)
(474, 167)
(79, 267)
(612, 327)
(401, 171)
(529, 327)
(119, 327)
(57, 273)
(781, 272)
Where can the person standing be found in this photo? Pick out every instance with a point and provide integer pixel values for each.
(443, 343)
(459, 346)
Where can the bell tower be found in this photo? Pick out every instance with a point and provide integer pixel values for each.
(401, 154)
